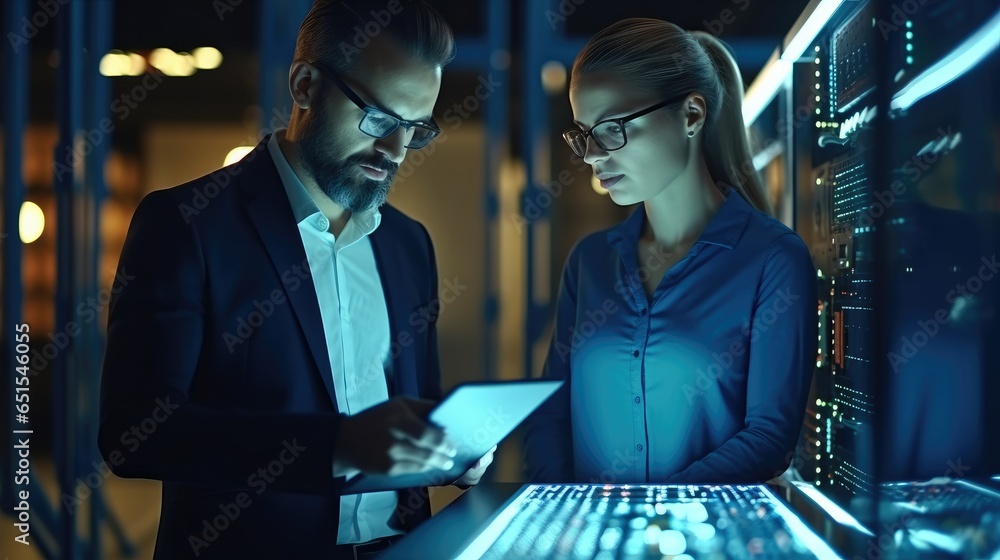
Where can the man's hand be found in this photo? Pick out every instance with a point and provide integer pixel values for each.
(392, 438)
(472, 476)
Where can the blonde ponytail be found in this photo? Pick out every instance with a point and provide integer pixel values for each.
(726, 149)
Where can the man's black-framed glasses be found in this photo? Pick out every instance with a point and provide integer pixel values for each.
(609, 134)
(378, 123)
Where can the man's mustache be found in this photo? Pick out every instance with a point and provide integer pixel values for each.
(381, 163)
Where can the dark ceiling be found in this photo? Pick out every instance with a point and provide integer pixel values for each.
(183, 23)
(228, 92)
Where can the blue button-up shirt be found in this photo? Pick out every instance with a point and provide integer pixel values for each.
(706, 381)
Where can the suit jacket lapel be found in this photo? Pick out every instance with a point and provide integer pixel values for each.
(389, 268)
(271, 214)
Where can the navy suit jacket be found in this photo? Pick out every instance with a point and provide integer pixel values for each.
(216, 378)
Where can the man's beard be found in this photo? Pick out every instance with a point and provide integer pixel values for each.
(339, 179)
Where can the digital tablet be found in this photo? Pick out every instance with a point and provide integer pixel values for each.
(476, 416)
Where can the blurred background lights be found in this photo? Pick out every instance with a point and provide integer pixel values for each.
(172, 63)
(596, 184)
(553, 77)
(32, 222)
(207, 58)
(118, 63)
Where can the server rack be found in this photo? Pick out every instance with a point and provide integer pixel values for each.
(881, 131)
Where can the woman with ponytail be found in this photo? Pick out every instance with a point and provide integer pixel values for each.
(686, 334)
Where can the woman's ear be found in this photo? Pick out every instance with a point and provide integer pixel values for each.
(695, 112)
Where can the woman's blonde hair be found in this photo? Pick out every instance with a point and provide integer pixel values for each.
(661, 58)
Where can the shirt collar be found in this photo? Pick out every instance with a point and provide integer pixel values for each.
(304, 208)
(724, 229)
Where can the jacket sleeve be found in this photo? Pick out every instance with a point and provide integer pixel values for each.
(548, 446)
(149, 425)
(781, 365)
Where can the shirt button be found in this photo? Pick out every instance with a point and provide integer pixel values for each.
(635, 354)
(324, 224)
(639, 447)
(637, 400)
(643, 312)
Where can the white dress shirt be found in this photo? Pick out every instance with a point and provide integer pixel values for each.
(349, 289)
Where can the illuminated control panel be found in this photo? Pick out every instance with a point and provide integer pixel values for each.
(605, 522)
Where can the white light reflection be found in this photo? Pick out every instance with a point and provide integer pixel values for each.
(672, 542)
(963, 58)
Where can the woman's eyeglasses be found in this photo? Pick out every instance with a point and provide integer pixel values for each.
(609, 134)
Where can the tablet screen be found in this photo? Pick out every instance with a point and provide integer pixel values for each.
(476, 416)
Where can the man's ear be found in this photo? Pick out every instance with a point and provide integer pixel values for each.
(304, 84)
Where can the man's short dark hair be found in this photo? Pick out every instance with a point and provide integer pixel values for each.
(335, 32)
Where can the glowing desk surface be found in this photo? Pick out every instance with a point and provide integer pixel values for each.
(510, 520)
